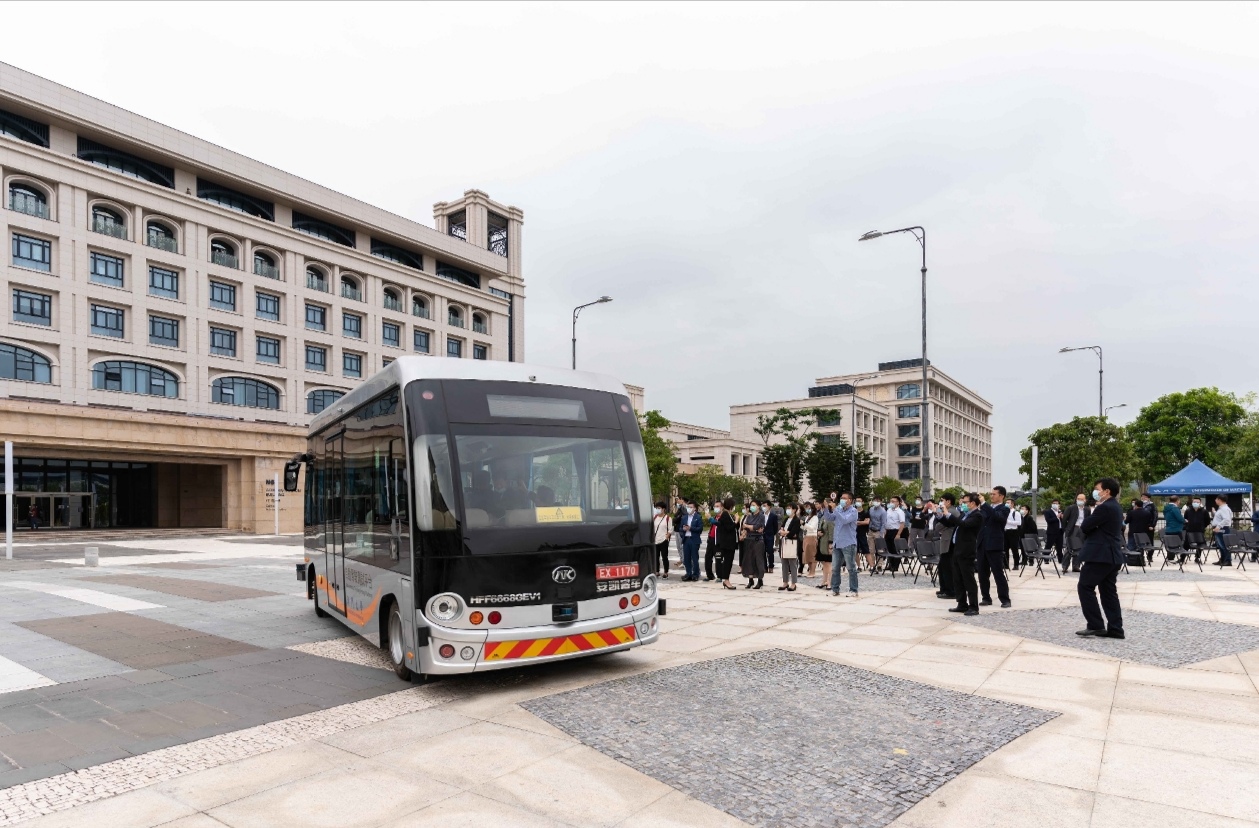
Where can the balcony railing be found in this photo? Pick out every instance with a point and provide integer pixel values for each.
(351, 292)
(28, 204)
(109, 227)
(480, 327)
(420, 311)
(263, 269)
(161, 242)
(316, 283)
(393, 304)
(454, 321)
(222, 257)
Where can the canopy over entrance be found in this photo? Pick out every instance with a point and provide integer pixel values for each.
(1199, 479)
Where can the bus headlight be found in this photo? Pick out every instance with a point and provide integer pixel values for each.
(445, 607)
(649, 587)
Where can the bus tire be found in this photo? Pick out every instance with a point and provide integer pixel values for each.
(395, 643)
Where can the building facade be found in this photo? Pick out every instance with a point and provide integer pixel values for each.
(178, 312)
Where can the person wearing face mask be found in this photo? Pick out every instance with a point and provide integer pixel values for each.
(893, 528)
(1140, 521)
(810, 534)
(967, 524)
(917, 517)
(790, 547)
(878, 523)
(1221, 525)
(727, 538)
(692, 529)
(863, 533)
(948, 517)
(825, 532)
(1013, 536)
(1029, 527)
(1102, 556)
(1053, 528)
(990, 551)
(710, 552)
(662, 526)
(845, 544)
(1173, 518)
(1196, 520)
(772, 524)
(752, 548)
(1072, 532)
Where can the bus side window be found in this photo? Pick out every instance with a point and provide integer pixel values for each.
(433, 495)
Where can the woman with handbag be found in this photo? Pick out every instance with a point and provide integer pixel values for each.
(809, 558)
(790, 535)
(727, 538)
(826, 530)
(752, 549)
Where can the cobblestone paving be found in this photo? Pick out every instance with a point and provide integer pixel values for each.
(1152, 638)
(1246, 599)
(865, 748)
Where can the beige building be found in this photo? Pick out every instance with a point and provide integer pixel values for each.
(702, 446)
(178, 312)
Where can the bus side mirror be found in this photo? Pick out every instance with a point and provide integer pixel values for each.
(291, 470)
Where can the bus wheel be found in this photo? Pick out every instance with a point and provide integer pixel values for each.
(396, 644)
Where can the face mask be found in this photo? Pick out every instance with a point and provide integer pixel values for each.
(716, 510)
(859, 504)
(1080, 502)
(965, 507)
(1024, 511)
(657, 510)
(1097, 494)
(753, 508)
(917, 502)
(690, 510)
(876, 503)
(843, 504)
(790, 512)
(1056, 507)
(1197, 505)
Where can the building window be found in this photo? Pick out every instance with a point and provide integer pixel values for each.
(458, 274)
(479, 324)
(32, 253)
(161, 236)
(268, 350)
(222, 296)
(396, 254)
(390, 334)
(909, 450)
(454, 348)
(907, 471)
(109, 222)
(163, 282)
(107, 321)
(317, 401)
(909, 430)
(23, 365)
(134, 378)
(24, 198)
(105, 270)
(247, 392)
(264, 265)
(125, 163)
(454, 317)
(419, 307)
(352, 365)
(421, 342)
(391, 300)
(316, 318)
(350, 289)
(316, 358)
(32, 308)
(496, 240)
(23, 129)
(163, 331)
(224, 253)
(352, 325)
(908, 411)
(222, 342)
(384, 361)
(833, 419)
(480, 352)
(321, 229)
(234, 200)
(908, 392)
(268, 306)
(457, 224)
(316, 279)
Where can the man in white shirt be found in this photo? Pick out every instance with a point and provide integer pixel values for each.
(1013, 544)
(1221, 523)
(893, 528)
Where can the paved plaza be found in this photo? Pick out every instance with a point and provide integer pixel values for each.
(186, 682)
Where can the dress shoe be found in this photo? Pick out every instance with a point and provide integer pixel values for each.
(958, 609)
(986, 602)
(1005, 605)
(1091, 633)
(1115, 634)
(971, 612)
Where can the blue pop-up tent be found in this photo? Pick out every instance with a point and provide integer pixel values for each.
(1199, 479)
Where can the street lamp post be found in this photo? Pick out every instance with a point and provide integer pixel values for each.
(576, 311)
(1111, 408)
(920, 235)
(852, 446)
(1101, 412)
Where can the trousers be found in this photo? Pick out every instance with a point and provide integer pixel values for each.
(1226, 557)
(790, 568)
(849, 554)
(662, 552)
(1013, 547)
(724, 561)
(709, 552)
(945, 570)
(993, 563)
(964, 581)
(690, 557)
(890, 536)
(1100, 577)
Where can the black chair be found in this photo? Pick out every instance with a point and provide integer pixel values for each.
(927, 559)
(1252, 544)
(901, 554)
(1034, 550)
(1174, 546)
(1074, 545)
(1145, 548)
(1236, 545)
(880, 555)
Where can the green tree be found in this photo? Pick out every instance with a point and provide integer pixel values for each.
(784, 478)
(828, 464)
(1175, 429)
(956, 491)
(662, 463)
(709, 483)
(1241, 461)
(784, 462)
(1074, 454)
(886, 487)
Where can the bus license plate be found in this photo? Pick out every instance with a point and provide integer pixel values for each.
(615, 572)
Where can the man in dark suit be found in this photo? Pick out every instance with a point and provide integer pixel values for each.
(1053, 528)
(771, 534)
(1102, 556)
(1140, 521)
(1072, 534)
(967, 523)
(949, 518)
(990, 551)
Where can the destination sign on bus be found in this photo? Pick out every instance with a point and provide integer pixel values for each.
(611, 572)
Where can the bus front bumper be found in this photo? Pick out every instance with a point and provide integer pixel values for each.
(479, 650)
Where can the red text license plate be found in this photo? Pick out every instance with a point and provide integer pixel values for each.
(613, 572)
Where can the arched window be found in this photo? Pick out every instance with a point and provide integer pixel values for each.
(223, 252)
(161, 235)
(419, 307)
(264, 265)
(134, 378)
(454, 316)
(25, 198)
(24, 365)
(316, 279)
(244, 391)
(911, 391)
(392, 300)
(317, 401)
(109, 221)
(350, 289)
(479, 325)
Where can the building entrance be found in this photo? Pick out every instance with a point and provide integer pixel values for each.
(83, 494)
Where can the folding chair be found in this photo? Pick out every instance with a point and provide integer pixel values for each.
(1034, 550)
(1196, 542)
(880, 555)
(1237, 548)
(901, 553)
(1174, 546)
(1145, 548)
(1252, 544)
(927, 555)
(1074, 545)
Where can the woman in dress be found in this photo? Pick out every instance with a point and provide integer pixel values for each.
(727, 539)
(752, 552)
(791, 534)
(809, 558)
(826, 530)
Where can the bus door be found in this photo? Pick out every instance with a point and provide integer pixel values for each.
(334, 527)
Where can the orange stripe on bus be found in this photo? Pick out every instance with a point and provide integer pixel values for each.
(561, 645)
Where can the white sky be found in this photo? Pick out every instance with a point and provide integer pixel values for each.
(1087, 174)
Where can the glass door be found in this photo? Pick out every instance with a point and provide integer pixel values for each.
(334, 527)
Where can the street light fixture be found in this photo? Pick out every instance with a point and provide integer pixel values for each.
(852, 446)
(1111, 408)
(1101, 412)
(920, 235)
(576, 311)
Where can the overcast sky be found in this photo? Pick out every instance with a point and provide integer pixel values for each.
(1087, 174)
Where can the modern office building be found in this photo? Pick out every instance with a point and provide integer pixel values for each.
(178, 312)
(703, 446)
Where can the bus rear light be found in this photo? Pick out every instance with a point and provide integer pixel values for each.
(467, 653)
(624, 603)
(446, 651)
(495, 617)
(635, 599)
(476, 618)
